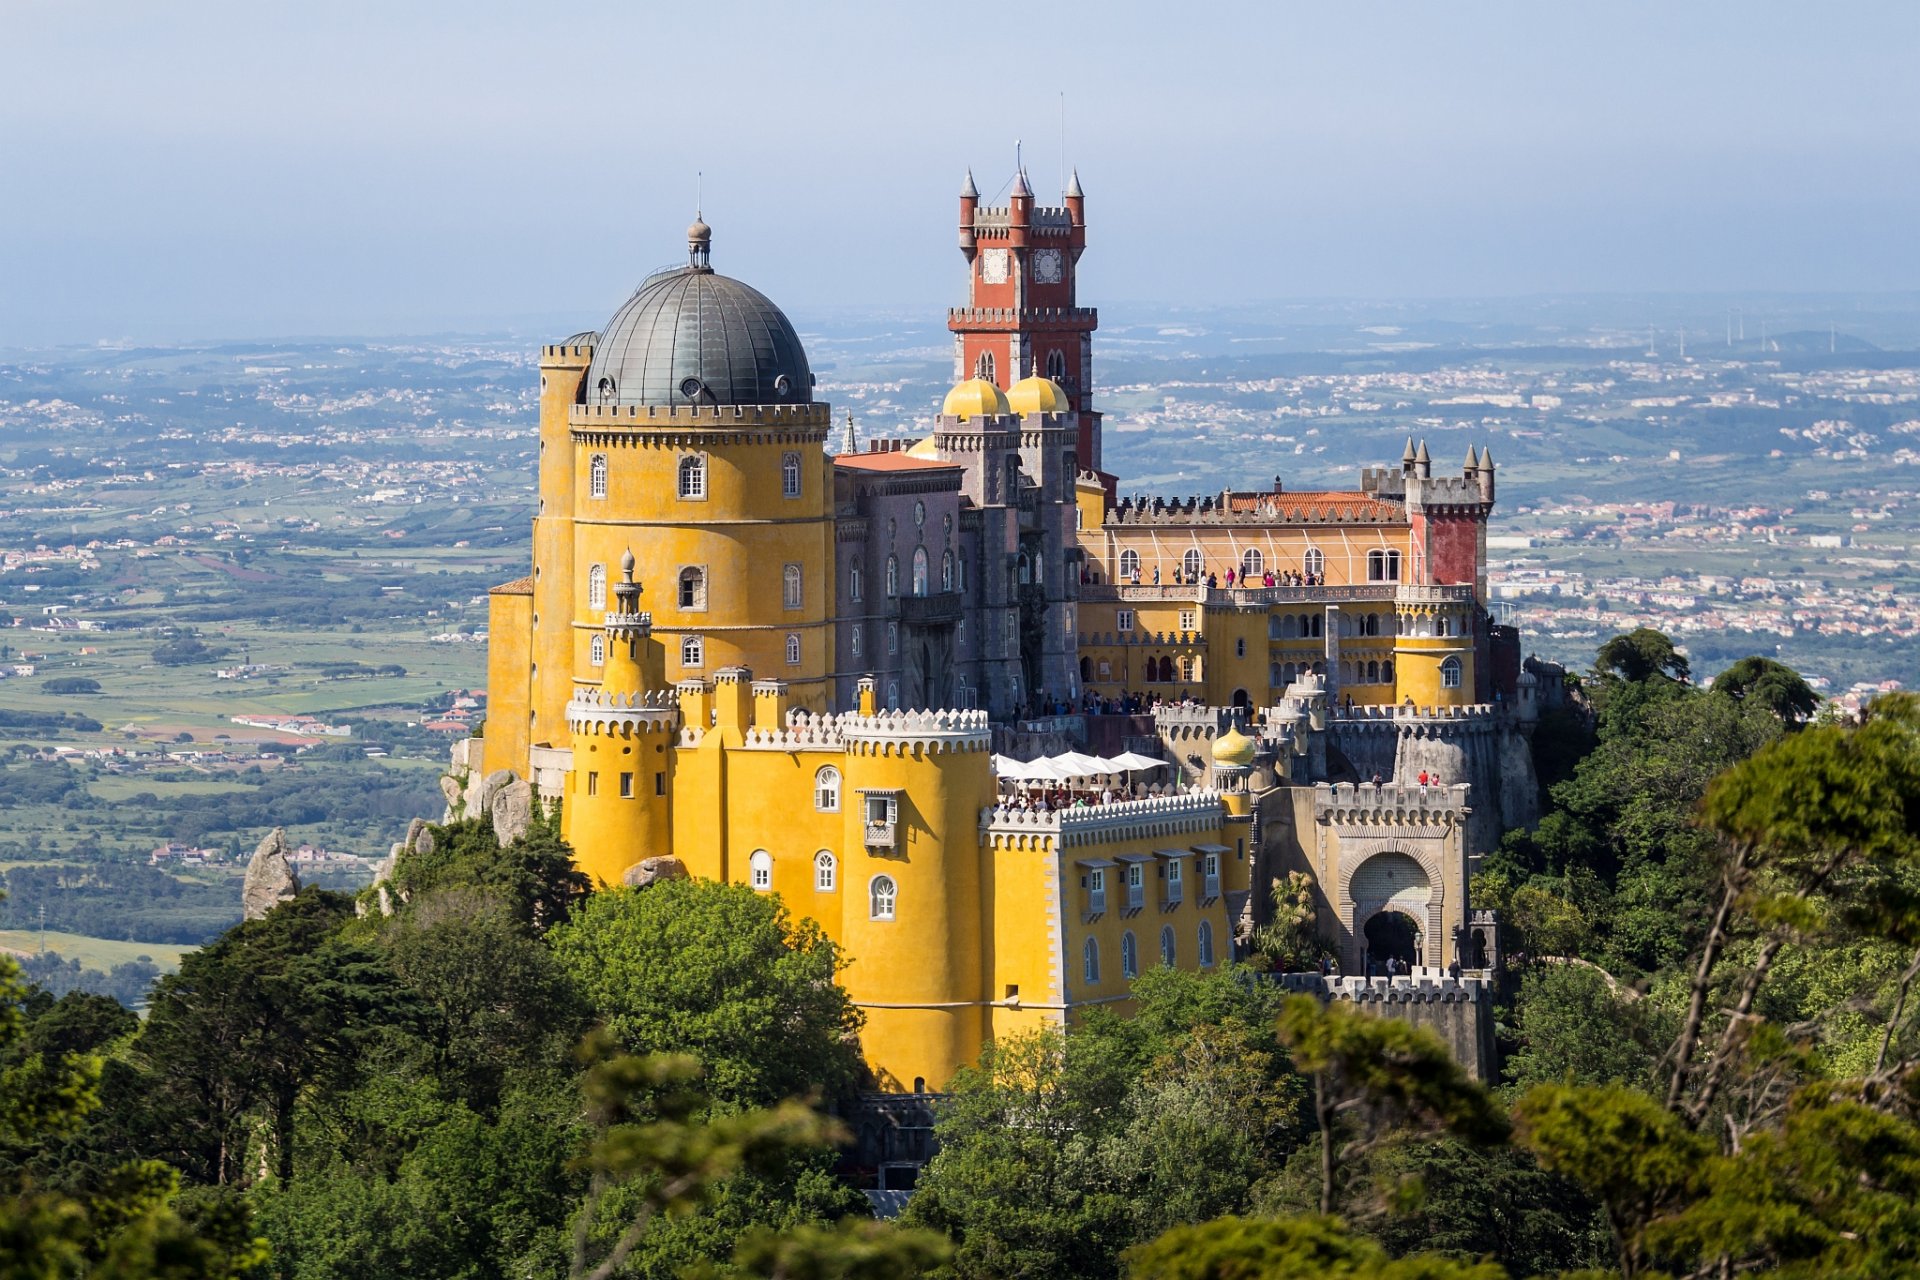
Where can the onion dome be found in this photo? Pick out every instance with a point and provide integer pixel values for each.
(1037, 395)
(694, 337)
(1234, 748)
(974, 398)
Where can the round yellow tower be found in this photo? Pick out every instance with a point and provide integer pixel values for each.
(1433, 655)
(913, 915)
(697, 443)
(619, 798)
(1233, 753)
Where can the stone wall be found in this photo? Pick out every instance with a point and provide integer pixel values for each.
(1458, 1010)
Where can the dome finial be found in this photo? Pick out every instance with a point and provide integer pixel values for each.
(699, 243)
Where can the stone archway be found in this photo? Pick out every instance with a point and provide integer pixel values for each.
(1393, 934)
(1395, 908)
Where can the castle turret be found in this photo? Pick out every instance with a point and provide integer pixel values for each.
(618, 804)
(969, 201)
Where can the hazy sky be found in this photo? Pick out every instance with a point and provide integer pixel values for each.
(187, 169)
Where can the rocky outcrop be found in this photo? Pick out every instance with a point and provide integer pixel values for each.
(651, 870)
(455, 795)
(270, 878)
(512, 809)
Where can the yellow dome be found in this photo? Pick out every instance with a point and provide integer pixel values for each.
(928, 448)
(1234, 748)
(1037, 395)
(974, 398)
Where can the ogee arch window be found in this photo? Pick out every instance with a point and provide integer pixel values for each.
(597, 650)
(1166, 946)
(760, 870)
(1129, 955)
(597, 476)
(790, 475)
(793, 650)
(790, 587)
(893, 576)
(597, 587)
(881, 898)
(919, 571)
(946, 570)
(1206, 944)
(1090, 960)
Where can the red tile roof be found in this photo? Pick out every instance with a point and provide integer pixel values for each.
(892, 460)
(518, 587)
(1308, 505)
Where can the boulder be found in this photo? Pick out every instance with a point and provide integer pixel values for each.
(454, 792)
(512, 807)
(270, 878)
(648, 870)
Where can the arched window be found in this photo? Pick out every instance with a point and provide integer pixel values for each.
(793, 650)
(919, 571)
(790, 587)
(1240, 646)
(597, 650)
(857, 631)
(597, 476)
(597, 587)
(1289, 626)
(1251, 565)
(853, 580)
(824, 869)
(693, 476)
(946, 570)
(1056, 365)
(760, 870)
(1129, 565)
(1373, 673)
(983, 367)
(1314, 562)
(1166, 946)
(1090, 960)
(1346, 673)
(826, 790)
(693, 651)
(1206, 944)
(893, 695)
(893, 576)
(893, 637)
(960, 573)
(1386, 672)
(1186, 669)
(606, 389)
(1129, 956)
(1450, 673)
(880, 898)
(790, 475)
(1318, 623)
(693, 587)
(1192, 563)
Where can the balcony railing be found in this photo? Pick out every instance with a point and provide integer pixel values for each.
(1096, 902)
(880, 835)
(940, 607)
(1136, 896)
(1210, 888)
(1174, 893)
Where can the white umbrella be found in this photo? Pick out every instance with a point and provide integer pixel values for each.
(1042, 771)
(1130, 760)
(1008, 767)
(1075, 765)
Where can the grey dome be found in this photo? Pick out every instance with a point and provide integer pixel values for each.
(693, 337)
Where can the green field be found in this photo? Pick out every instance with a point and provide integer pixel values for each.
(95, 953)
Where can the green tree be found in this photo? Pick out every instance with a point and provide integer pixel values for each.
(720, 972)
(1640, 655)
(1576, 1023)
(1376, 1078)
(276, 1007)
(535, 874)
(1773, 685)
(1301, 1248)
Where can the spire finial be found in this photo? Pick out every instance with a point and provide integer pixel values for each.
(967, 190)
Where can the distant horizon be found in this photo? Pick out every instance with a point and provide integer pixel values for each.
(358, 168)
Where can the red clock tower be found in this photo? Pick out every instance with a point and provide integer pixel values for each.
(1020, 319)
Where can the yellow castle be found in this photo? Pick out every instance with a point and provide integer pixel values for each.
(797, 670)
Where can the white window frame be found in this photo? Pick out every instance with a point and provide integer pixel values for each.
(1123, 621)
(1204, 939)
(1451, 669)
(792, 587)
(597, 586)
(853, 580)
(692, 477)
(693, 652)
(760, 871)
(1129, 955)
(1189, 619)
(1314, 562)
(826, 790)
(597, 476)
(893, 576)
(1252, 564)
(597, 650)
(883, 898)
(793, 648)
(698, 579)
(1192, 565)
(1090, 961)
(790, 475)
(826, 872)
(1129, 564)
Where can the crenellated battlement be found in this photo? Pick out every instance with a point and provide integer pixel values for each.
(1335, 507)
(1396, 803)
(1155, 817)
(897, 732)
(1427, 986)
(598, 711)
(704, 415)
(566, 353)
(1474, 715)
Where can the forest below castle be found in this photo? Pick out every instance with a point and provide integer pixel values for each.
(1712, 1064)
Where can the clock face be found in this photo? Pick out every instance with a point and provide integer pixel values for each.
(1048, 266)
(993, 267)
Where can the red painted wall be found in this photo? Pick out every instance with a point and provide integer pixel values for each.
(1453, 545)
